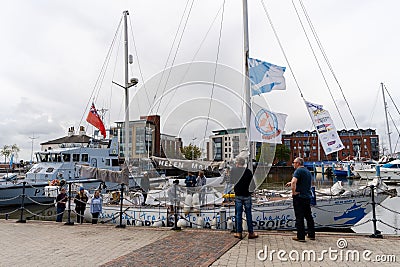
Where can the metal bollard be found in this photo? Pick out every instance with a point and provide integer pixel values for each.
(69, 222)
(21, 219)
(120, 208)
(377, 233)
(222, 213)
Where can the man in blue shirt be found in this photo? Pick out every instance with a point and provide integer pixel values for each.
(301, 193)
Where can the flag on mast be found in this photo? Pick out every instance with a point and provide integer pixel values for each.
(94, 119)
(326, 130)
(265, 77)
(266, 126)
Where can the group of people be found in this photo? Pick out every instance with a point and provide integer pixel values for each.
(80, 200)
(242, 178)
(301, 193)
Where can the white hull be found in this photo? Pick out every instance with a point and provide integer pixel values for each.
(334, 212)
(385, 174)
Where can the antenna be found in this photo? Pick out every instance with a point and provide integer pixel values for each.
(32, 138)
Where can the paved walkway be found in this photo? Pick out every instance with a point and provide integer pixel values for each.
(37, 243)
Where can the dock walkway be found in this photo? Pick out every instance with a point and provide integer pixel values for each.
(38, 243)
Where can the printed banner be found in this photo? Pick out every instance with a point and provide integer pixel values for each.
(266, 126)
(327, 133)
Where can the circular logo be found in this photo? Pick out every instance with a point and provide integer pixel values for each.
(341, 243)
(266, 122)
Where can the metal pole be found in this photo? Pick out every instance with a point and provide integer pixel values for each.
(387, 121)
(120, 208)
(377, 233)
(247, 82)
(126, 151)
(175, 210)
(21, 220)
(69, 222)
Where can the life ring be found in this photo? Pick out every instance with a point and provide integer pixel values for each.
(55, 182)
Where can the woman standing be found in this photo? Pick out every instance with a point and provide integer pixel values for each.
(80, 204)
(96, 206)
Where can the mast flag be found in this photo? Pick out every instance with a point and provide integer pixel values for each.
(265, 77)
(266, 126)
(326, 130)
(94, 119)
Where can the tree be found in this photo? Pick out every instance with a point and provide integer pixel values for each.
(9, 150)
(6, 152)
(282, 153)
(191, 151)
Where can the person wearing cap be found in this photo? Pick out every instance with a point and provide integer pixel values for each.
(80, 204)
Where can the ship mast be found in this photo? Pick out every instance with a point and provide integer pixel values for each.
(387, 121)
(126, 124)
(247, 81)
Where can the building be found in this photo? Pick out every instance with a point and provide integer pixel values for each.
(226, 144)
(171, 146)
(358, 144)
(143, 138)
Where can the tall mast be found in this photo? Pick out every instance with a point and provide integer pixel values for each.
(126, 152)
(387, 121)
(247, 81)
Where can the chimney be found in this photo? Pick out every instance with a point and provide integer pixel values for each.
(82, 130)
(71, 131)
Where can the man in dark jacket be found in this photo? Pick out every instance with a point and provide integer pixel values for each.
(242, 177)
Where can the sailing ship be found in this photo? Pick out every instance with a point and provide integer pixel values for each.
(271, 210)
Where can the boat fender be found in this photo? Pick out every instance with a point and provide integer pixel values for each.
(200, 222)
(229, 224)
(214, 223)
(188, 204)
(244, 223)
(181, 223)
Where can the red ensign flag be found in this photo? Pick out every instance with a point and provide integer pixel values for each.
(94, 119)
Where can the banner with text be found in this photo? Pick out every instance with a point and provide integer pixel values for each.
(326, 130)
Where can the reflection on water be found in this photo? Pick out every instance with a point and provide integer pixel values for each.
(278, 177)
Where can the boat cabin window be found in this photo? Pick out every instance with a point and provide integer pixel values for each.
(114, 162)
(66, 157)
(42, 157)
(55, 157)
(38, 170)
(107, 162)
(50, 170)
(75, 157)
(85, 157)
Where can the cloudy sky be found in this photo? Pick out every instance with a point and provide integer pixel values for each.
(52, 53)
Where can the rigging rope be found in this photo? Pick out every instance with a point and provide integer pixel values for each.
(215, 74)
(176, 53)
(322, 50)
(94, 95)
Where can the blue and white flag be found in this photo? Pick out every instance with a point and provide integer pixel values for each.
(266, 126)
(265, 77)
(11, 161)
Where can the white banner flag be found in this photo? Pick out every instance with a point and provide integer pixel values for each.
(326, 130)
(266, 126)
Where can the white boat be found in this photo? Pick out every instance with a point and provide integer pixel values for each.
(388, 172)
(207, 206)
(57, 166)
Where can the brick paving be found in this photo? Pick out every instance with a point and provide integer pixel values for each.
(37, 243)
(183, 248)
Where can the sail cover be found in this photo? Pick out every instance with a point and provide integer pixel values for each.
(326, 130)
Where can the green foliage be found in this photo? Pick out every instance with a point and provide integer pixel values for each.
(191, 151)
(8, 150)
(282, 153)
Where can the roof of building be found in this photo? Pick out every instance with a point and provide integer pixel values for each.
(69, 140)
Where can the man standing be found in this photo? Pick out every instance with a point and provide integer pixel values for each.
(301, 192)
(242, 177)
